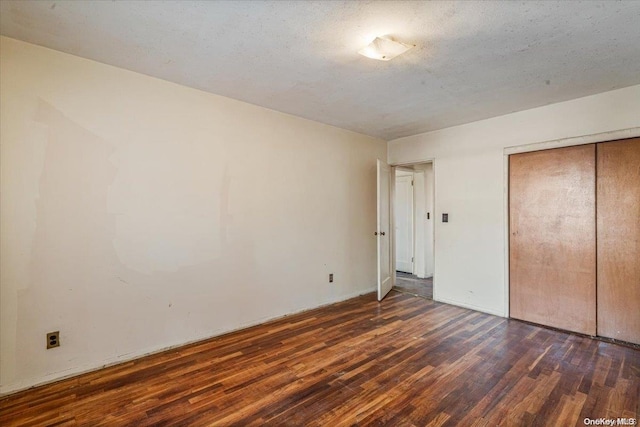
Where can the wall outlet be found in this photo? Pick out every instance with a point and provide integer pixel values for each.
(331, 278)
(53, 339)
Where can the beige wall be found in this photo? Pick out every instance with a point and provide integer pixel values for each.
(470, 184)
(138, 214)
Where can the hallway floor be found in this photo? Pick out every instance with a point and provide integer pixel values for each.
(411, 284)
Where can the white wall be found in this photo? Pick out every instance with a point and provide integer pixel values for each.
(470, 184)
(138, 214)
(429, 188)
(424, 237)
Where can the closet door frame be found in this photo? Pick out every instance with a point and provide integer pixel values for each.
(537, 146)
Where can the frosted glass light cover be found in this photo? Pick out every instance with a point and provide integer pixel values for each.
(384, 49)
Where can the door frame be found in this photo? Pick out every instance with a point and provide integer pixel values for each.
(538, 146)
(394, 166)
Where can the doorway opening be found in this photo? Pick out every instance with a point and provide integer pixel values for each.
(413, 205)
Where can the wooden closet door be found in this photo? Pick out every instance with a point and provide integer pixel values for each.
(619, 240)
(553, 238)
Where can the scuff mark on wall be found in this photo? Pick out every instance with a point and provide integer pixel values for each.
(73, 230)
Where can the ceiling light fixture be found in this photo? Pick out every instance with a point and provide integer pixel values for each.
(384, 48)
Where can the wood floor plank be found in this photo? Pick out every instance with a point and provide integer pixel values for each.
(405, 361)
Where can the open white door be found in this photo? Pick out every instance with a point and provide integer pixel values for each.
(383, 235)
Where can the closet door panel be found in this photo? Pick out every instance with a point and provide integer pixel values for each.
(618, 214)
(552, 238)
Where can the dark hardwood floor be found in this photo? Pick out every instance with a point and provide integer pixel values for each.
(405, 361)
(410, 283)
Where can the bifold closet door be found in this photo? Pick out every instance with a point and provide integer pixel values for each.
(618, 214)
(552, 238)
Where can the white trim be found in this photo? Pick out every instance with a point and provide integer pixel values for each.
(413, 162)
(576, 140)
(434, 204)
(392, 224)
(505, 230)
(431, 160)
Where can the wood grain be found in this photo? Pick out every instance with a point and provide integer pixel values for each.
(552, 267)
(618, 213)
(405, 361)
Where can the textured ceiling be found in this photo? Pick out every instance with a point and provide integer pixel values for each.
(473, 60)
